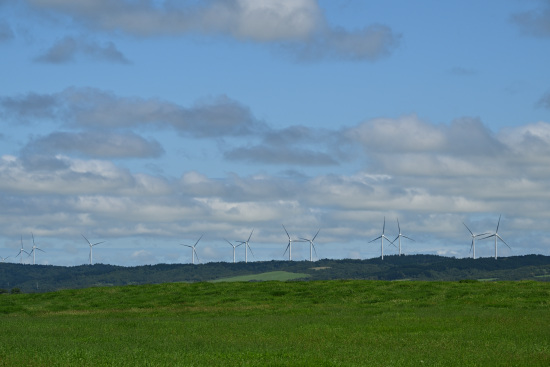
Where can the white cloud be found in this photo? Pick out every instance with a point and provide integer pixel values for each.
(95, 144)
(67, 49)
(298, 25)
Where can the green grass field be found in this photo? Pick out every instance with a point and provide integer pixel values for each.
(322, 323)
(272, 275)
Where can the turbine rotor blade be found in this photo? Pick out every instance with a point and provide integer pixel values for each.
(250, 235)
(286, 249)
(398, 226)
(313, 239)
(390, 241)
(377, 238)
(481, 234)
(498, 224)
(407, 238)
(198, 240)
(86, 239)
(467, 228)
(488, 237)
(286, 231)
(250, 248)
(503, 241)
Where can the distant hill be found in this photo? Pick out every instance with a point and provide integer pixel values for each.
(45, 278)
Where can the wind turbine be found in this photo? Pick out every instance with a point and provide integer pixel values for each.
(381, 238)
(497, 237)
(91, 245)
(289, 246)
(33, 251)
(311, 245)
(247, 247)
(4, 259)
(193, 250)
(234, 247)
(21, 250)
(473, 246)
(400, 235)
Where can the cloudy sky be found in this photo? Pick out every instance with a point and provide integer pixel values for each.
(147, 124)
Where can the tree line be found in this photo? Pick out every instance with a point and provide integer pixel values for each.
(25, 278)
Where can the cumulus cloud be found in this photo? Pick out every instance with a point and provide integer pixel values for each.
(369, 43)
(297, 25)
(295, 145)
(72, 176)
(408, 135)
(67, 49)
(535, 22)
(95, 144)
(94, 108)
(28, 108)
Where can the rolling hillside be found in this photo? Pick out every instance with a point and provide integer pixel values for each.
(44, 278)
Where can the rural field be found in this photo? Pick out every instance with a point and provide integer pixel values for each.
(274, 323)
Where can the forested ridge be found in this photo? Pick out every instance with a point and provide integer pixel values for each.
(45, 278)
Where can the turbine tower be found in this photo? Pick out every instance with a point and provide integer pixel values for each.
(193, 250)
(381, 238)
(234, 247)
(473, 246)
(497, 237)
(33, 251)
(21, 251)
(247, 247)
(400, 235)
(289, 246)
(91, 245)
(311, 245)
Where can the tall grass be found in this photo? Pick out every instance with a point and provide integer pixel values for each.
(328, 323)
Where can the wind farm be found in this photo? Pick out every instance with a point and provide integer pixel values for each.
(247, 246)
(234, 248)
(147, 147)
(91, 246)
(384, 239)
(399, 236)
(473, 245)
(497, 237)
(311, 245)
(193, 250)
(381, 238)
(33, 250)
(289, 245)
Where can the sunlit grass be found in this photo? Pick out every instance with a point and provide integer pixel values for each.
(332, 323)
(272, 275)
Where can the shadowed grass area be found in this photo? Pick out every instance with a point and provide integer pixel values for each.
(322, 323)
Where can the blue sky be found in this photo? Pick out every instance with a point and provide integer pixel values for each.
(147, 124)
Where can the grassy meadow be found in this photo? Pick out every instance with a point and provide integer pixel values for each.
(272, 275)
(321, 323)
